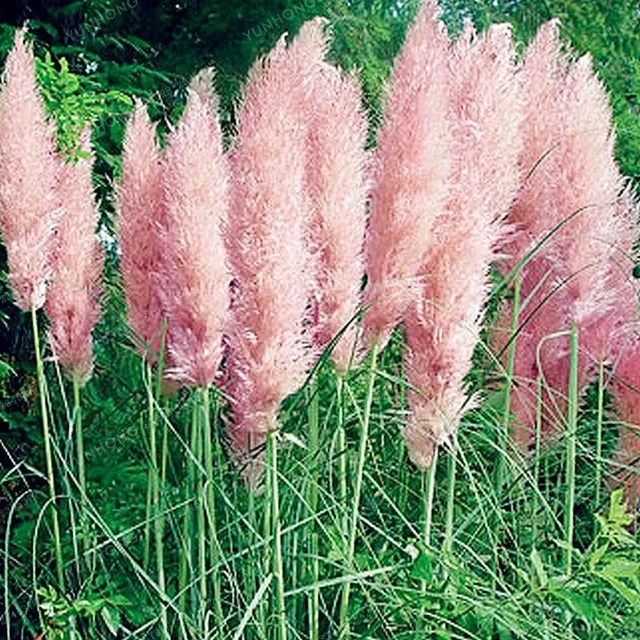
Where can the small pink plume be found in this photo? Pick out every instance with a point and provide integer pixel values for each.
(194, 278)
(572, 216)
(411, 174)
(73, 305)
(141, 214)
(267, 238)
(338, 188)
(443, 328)
(27, 178)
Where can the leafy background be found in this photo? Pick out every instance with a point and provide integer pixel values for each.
(96, 56)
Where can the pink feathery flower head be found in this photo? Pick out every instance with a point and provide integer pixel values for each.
(27, 178)
(194, 278)
(443, 327)
(141, 213)
(267, 238)
(571, 210)
(338, 187)
(412, 166)
(73, 304)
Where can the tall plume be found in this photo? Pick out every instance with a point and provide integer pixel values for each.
(443, 328)
(194, 278)
(27, 178)
(73, 304)
(267, 238)
(338, 188)
(141, 213)
(574, 193)
(411, 174)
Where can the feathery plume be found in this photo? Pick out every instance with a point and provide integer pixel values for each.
(338, 187)
(27, 178)
(574, 191)
(443, 328)
(73, 305)
(194, 278)
(267, 238)
(411, 174)
(141, 213)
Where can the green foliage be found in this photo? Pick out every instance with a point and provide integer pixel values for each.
(73, 102)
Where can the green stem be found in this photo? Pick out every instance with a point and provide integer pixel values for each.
(187, 522)
(200, 518)
(429, 491)
(599, 429)
(343, 469)
(357, 493)
(46, 435)
(155, 509)
(570, 479)
(511, 357)
(278, 564)
(214, 544)
(314, 443)
(536, 460)
(451, 494)
(78, 427)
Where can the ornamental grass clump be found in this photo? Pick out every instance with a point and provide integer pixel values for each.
(443, 326)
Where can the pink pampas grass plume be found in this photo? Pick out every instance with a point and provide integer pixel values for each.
(443, 328)
(572, 185)
(194, 278)
(338, 188)
(267, 239)
(141, 212)
(411, 174)
(27, 178)
(73, 305)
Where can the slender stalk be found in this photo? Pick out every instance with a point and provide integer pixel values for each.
(343, 469)
(278, 564)
(154, 512)
(200, 518)
(451, 494)
(599, 425)
(214, 544)
(164, 456)
(357, 493)
(428, 492)
(536, 460)
(267, 532)
(46, 435)
(314, 443)
(572, 425)
(511, 357)
(187, 536)
(78, 427)
(146, 552)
